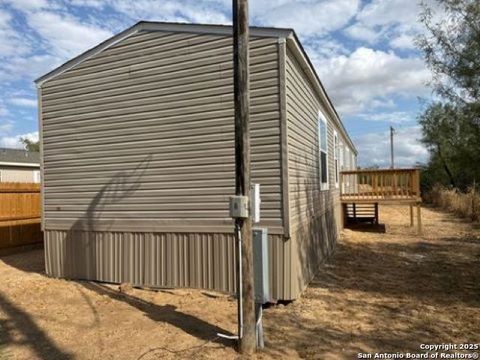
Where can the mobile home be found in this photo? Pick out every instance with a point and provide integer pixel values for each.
(137, 140)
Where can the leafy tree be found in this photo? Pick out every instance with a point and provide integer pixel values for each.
(30, 145)
(451, 125)
(451, 48)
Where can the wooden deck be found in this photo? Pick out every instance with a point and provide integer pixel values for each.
(381, 186)
(384, 199)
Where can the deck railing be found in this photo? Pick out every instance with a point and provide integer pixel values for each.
(380, 184)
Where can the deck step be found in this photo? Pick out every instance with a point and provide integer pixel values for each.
(360, 213)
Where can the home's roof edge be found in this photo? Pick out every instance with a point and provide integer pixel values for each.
(303, 58)
(198, 28)
(87, 54)
(159, 26)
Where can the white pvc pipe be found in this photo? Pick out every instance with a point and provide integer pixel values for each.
(239, 284)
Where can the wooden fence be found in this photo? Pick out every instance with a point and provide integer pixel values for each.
(19, 215)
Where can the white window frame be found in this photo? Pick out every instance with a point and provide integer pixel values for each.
(342, 156)
(348, 166)
(336, 158)
(348, 159)
(322, 120)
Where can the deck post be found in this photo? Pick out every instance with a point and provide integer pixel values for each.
(376, 213)
(411, 215)
(419, 218)
(344, 215)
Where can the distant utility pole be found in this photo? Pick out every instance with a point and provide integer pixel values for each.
(241, 76)
(392, 158)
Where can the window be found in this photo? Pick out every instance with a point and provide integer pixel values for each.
(322, 145)
(336, 150)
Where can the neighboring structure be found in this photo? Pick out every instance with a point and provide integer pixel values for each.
(138, 159)
(19, 217)
(19, 166)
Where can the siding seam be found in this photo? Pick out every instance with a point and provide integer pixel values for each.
(42, 176)
(284, 136)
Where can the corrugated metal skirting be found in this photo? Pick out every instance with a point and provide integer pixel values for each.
(172, 260)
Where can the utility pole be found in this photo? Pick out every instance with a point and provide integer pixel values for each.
(241, 74)
(392, 158)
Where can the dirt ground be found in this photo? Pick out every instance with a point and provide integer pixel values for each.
(380, 292)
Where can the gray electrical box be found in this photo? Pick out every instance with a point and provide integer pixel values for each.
(239, 207)
(260, 266)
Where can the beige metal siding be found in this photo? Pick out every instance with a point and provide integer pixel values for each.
(142, 135)
(313, 213)
(138, 154)
(189, 260)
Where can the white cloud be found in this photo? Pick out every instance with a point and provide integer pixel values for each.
(387, 12)
(361, 32)
(308, 18)
(394, 21)
(210, 12)
(28, 67)
(20, 101)
(10, 40)
(403, 41)
(5, 126)
(97, 4)
(383, 103)
(61, 37)
(14, 141)
(324, 48)
(366, 75)
(393, 117)
(65, 36)
(375, 148)
(3, 110)
(26, 5)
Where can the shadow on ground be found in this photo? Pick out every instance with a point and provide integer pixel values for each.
(424, 270)
(20, 329)
(18, 322)
(387, 294)
(380, 292)
(372, 228)
(27, 261)
(165, 313)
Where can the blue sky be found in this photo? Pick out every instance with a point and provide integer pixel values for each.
(362, 50)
